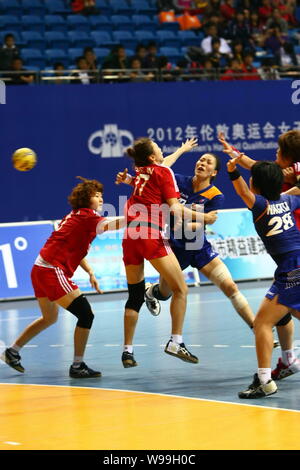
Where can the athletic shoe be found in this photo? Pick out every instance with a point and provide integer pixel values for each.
(83, 372)
(12, 360)
(152, 303)
(180, 351)
(128, 360)
(258, 390)
(282, 371)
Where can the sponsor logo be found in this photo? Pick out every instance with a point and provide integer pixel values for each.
(110, 141)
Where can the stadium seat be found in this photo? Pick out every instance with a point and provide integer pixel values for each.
(189, 38)
(102, 38)
(73, 53)
(100, 22)
(33, 23)
(78, 23)
(10, 22)
(34, 57)
(144, 22)
(122, 22)
(57, 6)
(169, 26)
(297, 50)
(121, 7)
(10, 7)
(34, 39)
(143, 7)
(80, 39)
(56, 23)
(57, 40)
(101, 52)
(145, 36)
(168, 38)
(56, 55)
(172, 53)
(125, 38)
(298, 14)
(104, 7)
(33, 7)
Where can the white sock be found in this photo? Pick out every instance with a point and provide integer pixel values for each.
(177, 339)
(288, 356)
(264, 375)
(15, 348)
(77, 361)
(128, 348)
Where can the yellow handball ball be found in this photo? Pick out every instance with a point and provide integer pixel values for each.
(24, 159)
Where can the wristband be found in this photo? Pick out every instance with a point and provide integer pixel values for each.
(234, 175)
(235, 152)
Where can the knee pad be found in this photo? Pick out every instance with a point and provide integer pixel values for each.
(80, 307)
(285, 320)
(136, 296)
(219, 274)
(157, 294)
(238, 301)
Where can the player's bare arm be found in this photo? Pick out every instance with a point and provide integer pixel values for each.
(186, 146)
(240, 184)
(245, 161)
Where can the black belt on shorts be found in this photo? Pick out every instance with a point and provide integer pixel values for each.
(138, 223)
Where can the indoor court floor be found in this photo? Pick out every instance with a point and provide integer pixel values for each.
(163, 403)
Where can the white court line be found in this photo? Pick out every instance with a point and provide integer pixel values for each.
(158, 394)
(247, 346)
(31, 346)
(12, 443)
(56, 345)
(221, 345)
(112, 345)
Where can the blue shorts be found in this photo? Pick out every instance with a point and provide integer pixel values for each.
(197, 259)
(287, 282)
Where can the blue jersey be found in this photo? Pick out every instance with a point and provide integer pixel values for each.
(210, 197)
(275, 224)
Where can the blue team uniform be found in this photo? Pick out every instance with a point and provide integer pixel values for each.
(212, 199)
(275, 224)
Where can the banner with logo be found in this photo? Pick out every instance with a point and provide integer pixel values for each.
(84, 130)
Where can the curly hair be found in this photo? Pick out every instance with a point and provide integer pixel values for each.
(82, 193)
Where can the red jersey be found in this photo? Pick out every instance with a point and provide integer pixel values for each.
(153, 185)
(69, 244)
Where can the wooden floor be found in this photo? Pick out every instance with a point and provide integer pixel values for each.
(58, 417)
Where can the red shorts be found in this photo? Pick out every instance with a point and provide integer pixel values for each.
(135, 250)
(51, 282)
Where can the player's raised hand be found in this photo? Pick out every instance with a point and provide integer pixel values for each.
(231, 164)
(189, 144)
(227, 148)
(289, 175)
(122, 177)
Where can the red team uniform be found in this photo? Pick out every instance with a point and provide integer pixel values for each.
(286, 186)
(144, 238)
(63, 252)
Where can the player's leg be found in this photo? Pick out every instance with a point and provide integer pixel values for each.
(288, 364)
(170, 270)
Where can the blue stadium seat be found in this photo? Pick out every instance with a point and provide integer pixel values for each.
(129, 52)
(100, 22)
(78, 23)
(145, 36)
(297, 49)
(10, 7)
(298, 14)
(143, 7)
(168, 38)
(80, 39)
(10, 22)
(125, 38)
(33, 23)
(169, 26)
(189, 38)
(122, 23)
(144, 22)
(101, 52)
(57, 6)
(33, 7)
(173, 53)
(57, 40)
(121, 7)
(56, 23)
(104, 7)
(34, 57)
(34, 40)
(73, 53)
(102, 38)
(57, 55)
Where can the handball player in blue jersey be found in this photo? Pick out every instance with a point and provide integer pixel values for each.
(275, 224)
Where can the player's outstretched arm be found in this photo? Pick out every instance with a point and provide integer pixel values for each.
(187, 146)
(112, 223)
(124, 177)
(87, 268)
(245, 162)
(240, 185)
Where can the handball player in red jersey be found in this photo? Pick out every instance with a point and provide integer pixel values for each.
(154, 186)
(288, 158)
(51, 274)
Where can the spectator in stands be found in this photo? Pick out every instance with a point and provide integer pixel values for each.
(117, 59)
(286, 56)
(239, 28)
(208, 70)
(216, 19)
(136, 74)
(218, 59)
(151, 61)
(265, 11)
(166, 5)
(274, 39)
(82, 76)
(59, 72)
(206, 43)
(268, 70)
(166, 69)
(8, 52)
(233, 72)
(227, 9)
(212, 7)
(90, 58)
(256, 29)
(140, 53)
(84, 7)
(277, 20)
(250, 72)
(19, 76)
(238, 51)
